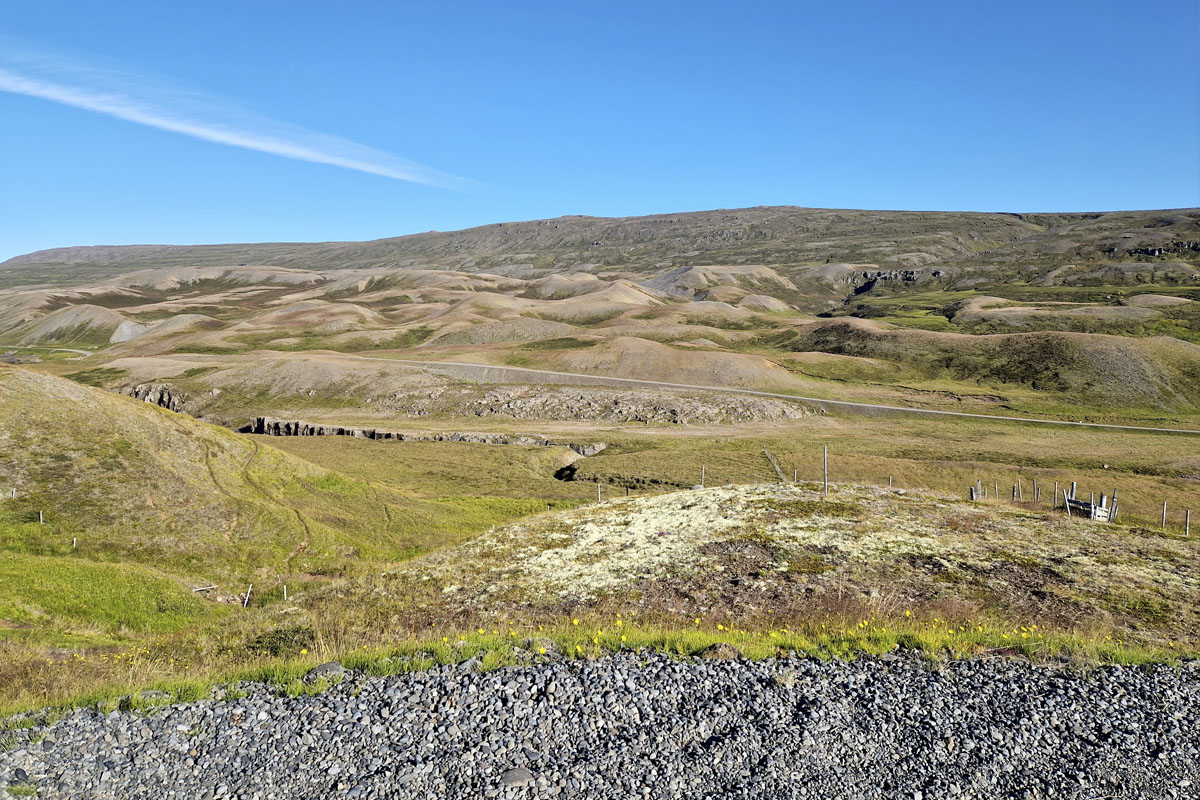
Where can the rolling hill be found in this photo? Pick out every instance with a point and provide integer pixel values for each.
(1042, 313)
(116, 480)
(764, 235)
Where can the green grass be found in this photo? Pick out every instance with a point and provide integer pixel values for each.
(563, 343)
(503, 642)
(70, 594)
(98, 376)
(442, 469)
(942, 454)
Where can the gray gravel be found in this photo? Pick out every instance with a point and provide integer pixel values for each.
(647, 726)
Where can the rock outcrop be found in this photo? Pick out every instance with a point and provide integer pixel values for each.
(603, 405)
(273, 426)
(159, 394)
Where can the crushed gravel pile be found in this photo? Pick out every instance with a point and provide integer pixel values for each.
(643, 725)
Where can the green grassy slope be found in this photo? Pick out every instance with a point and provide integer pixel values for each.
(135, 483)
(1093, 370)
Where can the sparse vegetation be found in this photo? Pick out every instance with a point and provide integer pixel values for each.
(401, 555)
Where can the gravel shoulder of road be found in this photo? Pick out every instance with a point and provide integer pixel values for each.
(645, 725)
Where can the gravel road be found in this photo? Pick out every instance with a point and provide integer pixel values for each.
(491, 373)
(643, 725)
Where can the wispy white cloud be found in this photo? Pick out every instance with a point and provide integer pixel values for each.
(138, 99)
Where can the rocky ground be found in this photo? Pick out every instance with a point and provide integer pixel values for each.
(642, 725)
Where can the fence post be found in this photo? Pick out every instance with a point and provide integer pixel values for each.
(1187, 522)
(825, 464)
(703, 475)
(1164, 519)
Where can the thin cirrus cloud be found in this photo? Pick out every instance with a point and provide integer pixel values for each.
(137, 99)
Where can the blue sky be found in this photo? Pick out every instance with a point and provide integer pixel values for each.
(459, 114)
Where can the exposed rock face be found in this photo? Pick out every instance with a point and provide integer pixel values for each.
(524, 402)
(1174, 248)
(128, 330)
(866, 281)
(159, 394)
(273, 426)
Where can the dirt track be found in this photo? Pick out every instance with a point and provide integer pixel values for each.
(498, 373)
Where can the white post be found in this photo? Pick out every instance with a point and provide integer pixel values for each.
(597, 492)
(703, 475)
(1164, 519)
(889, 481)
(285, 592)
(825, 462)
(41, 519)
(246, 599)
(1187, 522)
(74, 542)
